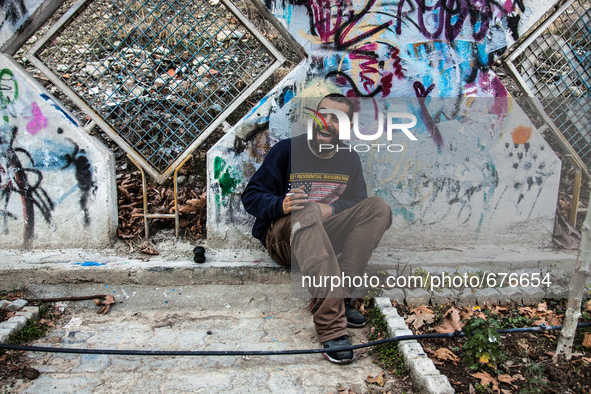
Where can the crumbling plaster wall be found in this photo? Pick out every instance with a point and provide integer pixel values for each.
(57, 183)
(506, 193)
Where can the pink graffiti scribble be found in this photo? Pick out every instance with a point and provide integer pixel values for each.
(321, 13)
(344, 21)
(366, 52)
(38, 122)
(368, 67)
(508, 6)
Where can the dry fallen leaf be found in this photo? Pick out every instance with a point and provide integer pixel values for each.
(542, 307)
(379, 380)
(507, 379)
(422, 309)
(587, 340)
(550, 319)
(588, 306)
(47, 322)
(420, 320)
(109, 300)
(527, 311)
(468, 312)
(486, 379)
(451, 321)
(497, 309)
(446, 355)
(148, 249)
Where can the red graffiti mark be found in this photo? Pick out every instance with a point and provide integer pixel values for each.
(341, 81)
(394, 55)
(321, 10)
(366, 52)
(386, 82)
(421, 93)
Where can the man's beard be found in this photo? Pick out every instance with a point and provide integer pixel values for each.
(315, 144)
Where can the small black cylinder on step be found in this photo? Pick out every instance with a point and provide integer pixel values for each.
(199, 252)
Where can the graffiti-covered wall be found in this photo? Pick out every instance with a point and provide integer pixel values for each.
(14, 14)
(57, 184)
(501, 181)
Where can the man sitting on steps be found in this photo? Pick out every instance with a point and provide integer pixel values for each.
(319, 209)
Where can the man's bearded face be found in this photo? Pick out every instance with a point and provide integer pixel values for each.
(329, 136)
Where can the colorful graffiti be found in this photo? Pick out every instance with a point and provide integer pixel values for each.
(30, 150)
(423, 51)
(374, 47)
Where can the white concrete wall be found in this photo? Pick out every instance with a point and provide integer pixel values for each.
(57, 183)
(397, 49)
(13, 15)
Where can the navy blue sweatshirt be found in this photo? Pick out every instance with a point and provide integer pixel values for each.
(337, 181)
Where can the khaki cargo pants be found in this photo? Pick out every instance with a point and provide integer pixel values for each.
(316, 242)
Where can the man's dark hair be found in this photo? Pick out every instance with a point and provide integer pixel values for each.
(339, 98)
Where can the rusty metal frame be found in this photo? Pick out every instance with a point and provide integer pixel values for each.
(80, 6)
(147, 216)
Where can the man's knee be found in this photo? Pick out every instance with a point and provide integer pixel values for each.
(310, 209)
(380, 209)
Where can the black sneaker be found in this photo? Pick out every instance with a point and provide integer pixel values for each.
(338, 357)
(354, 318)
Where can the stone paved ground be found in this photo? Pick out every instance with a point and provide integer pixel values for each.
(236, 322)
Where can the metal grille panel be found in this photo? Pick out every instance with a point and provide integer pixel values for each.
(157, 76)
(554, 65)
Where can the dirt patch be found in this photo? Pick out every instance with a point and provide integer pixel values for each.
(526, 366)
(14, 365)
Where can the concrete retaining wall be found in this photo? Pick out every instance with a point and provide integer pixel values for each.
(57, 183)
(14, 15)
(404, 49)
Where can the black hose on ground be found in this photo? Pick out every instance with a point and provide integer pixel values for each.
(542, 328)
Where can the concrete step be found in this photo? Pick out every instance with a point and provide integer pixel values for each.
(248, 317)
(233, 267)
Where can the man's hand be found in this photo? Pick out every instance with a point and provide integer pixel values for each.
(292, 199)
(325, 209)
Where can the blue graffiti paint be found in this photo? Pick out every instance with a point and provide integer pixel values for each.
(288, 96)
(54, 105)
(67, 194)
(407, 214)
(482, 54)
(252, 111)
(332, 62)
(90, 264)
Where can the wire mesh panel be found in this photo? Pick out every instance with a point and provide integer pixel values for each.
(157, 76)
(554, 65)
